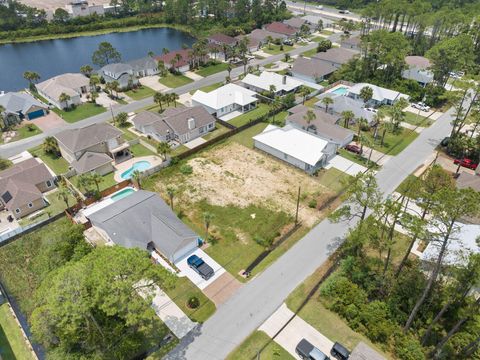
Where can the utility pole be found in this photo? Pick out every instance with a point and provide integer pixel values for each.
(298, 204)
(113, 117)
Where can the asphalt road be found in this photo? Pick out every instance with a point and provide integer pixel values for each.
(258, 299)
(10, 149)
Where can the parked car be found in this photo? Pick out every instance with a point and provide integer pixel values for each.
(339, 352)
(421, 106)
(288, 42)
(466, 162)
(200, 267)
(354, 149)
(371, 110)
(445, 141)
(320, 7)
(344, 11)
(309, 352)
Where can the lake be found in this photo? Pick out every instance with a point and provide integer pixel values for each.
(54, 57)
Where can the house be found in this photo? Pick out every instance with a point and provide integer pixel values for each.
(282, 84)
(343, 103)
(323, 125)
(460, 246)
(381, 96)
(226, 99)
(146, 66)
(143, 220)
(418, 70)
(179, 60)
(253, 44)
(297, 23)
(352, 42)
(466, 180)
(20, 106)
(314, 19)
(336, 57)
(294, 146)
(364, 352)
(121, 73)
(311, 70)
(263, 35)
(177, 124)
(71, 84)
(93, 148)
(22, 187)
(219, 44)
(78, 8)
(281, 28)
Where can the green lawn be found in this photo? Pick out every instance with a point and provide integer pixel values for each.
(245, 137)
(80, 112)
(212, 69)
(417, 120)
(58, 164)
(406, 185)
(183, 290)
(139, 93)
(139, 150)
(245, 118)
(326, 32)
(310, 53)
(178, 150)
(358, 159)
(12, 344)
(108, 181)
(219, 130)
(24, 132)
(208, 88)
(55, 207)
(318, 38)
(250, 347)
(174, 81)
(276, 49)
(394, 143)
(128, 135)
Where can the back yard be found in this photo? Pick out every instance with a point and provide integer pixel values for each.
(12, 344)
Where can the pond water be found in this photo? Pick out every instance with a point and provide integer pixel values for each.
(54, 57)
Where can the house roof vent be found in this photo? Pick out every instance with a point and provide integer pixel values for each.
(191, 123)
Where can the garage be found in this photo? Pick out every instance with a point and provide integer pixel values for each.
(35, 114)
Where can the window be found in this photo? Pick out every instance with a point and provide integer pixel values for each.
(202, 130)
(49, 183)
(210, 126)
(285, 156)
(17, 211)
(30, 205)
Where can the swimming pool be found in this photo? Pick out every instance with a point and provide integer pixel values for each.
(122, 193)
(341, 90)
(138, 166)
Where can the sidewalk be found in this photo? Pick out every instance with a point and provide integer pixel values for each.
(377, 156)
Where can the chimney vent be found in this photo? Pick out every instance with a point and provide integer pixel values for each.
(284, 80)
(191, 124)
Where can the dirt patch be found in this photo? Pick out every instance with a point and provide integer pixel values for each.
(236, 175)
(55, 4)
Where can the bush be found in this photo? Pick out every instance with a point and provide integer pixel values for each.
(312, 204)
(186, 169)
(375, 317)
(193, 302)
(340, 293)
(407, 347)
(266, 243)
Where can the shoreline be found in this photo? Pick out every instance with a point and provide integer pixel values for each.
(38, 38)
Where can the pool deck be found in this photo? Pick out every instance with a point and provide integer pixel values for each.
(339, 86)
(124, 166)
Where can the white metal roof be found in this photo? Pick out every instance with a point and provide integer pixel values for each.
(379, 93)
(294, 142)
(268, 78)
(224, 96)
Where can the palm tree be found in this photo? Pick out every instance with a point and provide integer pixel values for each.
(164, 149)
(94, 81)
(84, 181)
(347, 117)
(64, 99)
(31, 77)
(94, 96)
(115, 86)
(327, 101)
(275, 105)
(361, 122)
(50, 146)
(158, 98)
(304, 91)
(309, 117)
(96, 179)
(165, 51)
(207, 219)
(63, 193)
(171, 192)
(366, 93)
(175, 97)
(379, 123)
(269, 42)
(137, 177)
(272, 89)
(229, 69)
(86, 70)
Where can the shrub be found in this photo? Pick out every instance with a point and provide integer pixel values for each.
(375, 317)
(186, 169)
(266, 243)
(193, 302)
(340, 293)
(407, 347)
(312, 204)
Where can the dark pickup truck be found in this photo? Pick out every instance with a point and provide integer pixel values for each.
(200, 266)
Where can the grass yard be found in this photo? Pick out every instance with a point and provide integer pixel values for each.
(394, 143)
(174, 81)
(219, 130)
(326, 32)
(273, 49)
(55, 207)
(212, 69)
(128, 135)
(417, 120)
(179, 150)
(208, 88)
(310, 53)
(80, 112)
(108, 181)
(12, 344)
(58, 164)
(358, 159)
(250, 347)
(254, 114)
(245, 137)
(318, 38)
(405, 186)
(139, 150)
(139, 93)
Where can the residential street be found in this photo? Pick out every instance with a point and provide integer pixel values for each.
(16, 147)
(259, 298)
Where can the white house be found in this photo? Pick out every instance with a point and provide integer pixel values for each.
(73, 85)
(296, 147)
(418, 70)
(226, 99)
(283, 84)
(381, 96)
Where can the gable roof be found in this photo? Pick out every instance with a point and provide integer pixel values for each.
(281, 28)
(65, 83)
(252, 41)
(379, 93)
(224, 96)
(19, 103)
(262, 34)
(417, 74)
(420, 62)
(167, 58)
(268, 78)
(293, 142)
(117, 70)
(222, 38)
(90, 161)
(143, 63)
(295, 22)
(466, 180)
(344, 103)
(85, 137)
(336, 55)
(312, 67)
(143, 218)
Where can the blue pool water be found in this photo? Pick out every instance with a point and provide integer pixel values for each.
(139, 165)
(340, 90)
(122, 193)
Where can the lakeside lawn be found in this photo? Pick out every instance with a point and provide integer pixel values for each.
(140, 93)
(174, 81)
(256, 341)
(58, 164)
(273, 49)
(211, 69)
(12, 344)
(208, 88)
(80, 112)
(394, 142)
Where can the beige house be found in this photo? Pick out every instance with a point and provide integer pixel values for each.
(93, 148)
(73, 85)
(22, 187)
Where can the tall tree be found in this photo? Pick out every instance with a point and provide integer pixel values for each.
(105, 54)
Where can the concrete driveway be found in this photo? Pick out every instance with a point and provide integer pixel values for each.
(347, 166)
(152, 83)
(193, 76)
(193, 276)
(194, 143)
(296, 330)
(49, 122)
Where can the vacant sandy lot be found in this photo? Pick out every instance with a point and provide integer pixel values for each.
(55, 4)
(236, 175)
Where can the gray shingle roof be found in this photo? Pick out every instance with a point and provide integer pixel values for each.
(143, 218)
(312, 67)
(344, 103)
(117, 69)
(336, 55)
(466, 180)
(364, 352)
(143, 64)
(65, 83)
(83, 138)
(90, 161)
(15, 102)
